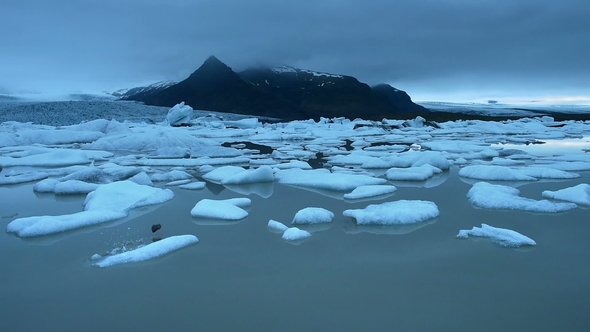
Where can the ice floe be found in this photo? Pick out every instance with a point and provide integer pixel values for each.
(369, 191)
(107, 203)
(501, 236)
(417, 173)
(324, 179)
(394, 213)
(495, 196)
(494, 173)
(276, 226)
(180, 114)
(312, 215)
(295, 234)
(74, 187)
(579, 194)
(22, 177)
(193, 185)
(174, 175)
(228, 209)
(261, 174)
(147, 252)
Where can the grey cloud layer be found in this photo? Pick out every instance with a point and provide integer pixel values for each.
(114, 43)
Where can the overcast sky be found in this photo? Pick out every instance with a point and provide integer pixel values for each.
(434, 49)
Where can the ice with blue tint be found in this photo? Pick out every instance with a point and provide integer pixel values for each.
(494, 196)
(579, 194)
(400, 212)
(147, 252)
(501, 236)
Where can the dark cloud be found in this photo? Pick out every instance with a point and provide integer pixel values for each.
(424, 46)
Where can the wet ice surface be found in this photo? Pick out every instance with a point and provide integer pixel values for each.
(340, 275)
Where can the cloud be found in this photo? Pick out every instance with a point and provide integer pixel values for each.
(431, 45)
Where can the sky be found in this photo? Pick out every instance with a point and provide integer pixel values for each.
(443, 50)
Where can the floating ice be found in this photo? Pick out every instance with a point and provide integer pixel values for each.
(180, 114)
(572, 166)
(22, 178)
(142, 178)
(217, 175)
(261, 174)
(370, 191)
(74, 187)
(547, 173)
(419, 173)
(492, 196)
(494, 173)
(178, 182)
(295, 234)
(193, 185)
(394, 213)
(324, 179)
(312, 215)
(171, 176)
(579, 194)
(150, 251)
(276, 226)
(502, 236)
(61, 157)
(108, 202)
(228, 209)
(46, 186)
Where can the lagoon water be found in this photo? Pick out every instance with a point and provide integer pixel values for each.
(242, 277)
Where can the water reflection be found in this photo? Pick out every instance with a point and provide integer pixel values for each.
(263, 189)
(353, 228)
(552, 146)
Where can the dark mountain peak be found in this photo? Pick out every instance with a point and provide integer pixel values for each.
(398, 99)
(213, 61)
(213, 69)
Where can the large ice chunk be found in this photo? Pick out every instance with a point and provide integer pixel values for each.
(295, 234)
(108, 202)
(579, 194)
(394, 213)
(261, 174)
(370, 191)
(180, 114)
(324, 179)
(228, 209)
(312, 215)
(502, 236)
(494, 173)
(492, 196)
(150, 251)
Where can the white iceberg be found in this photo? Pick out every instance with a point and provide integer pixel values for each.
(22, 178)
(180, 114)
(193, 185)
(171, 176)
(394, 213)
(107, 203)
(501, 236)
(228, 209)
(261, 174)
(150, 251)
(276, 226)
(494, 173)
(417, 173)
(217, 175)
(324, 179)
(363, 192)
(312, 215)
(579, 194)
(493, 196)
(295, 234)
(74, 187)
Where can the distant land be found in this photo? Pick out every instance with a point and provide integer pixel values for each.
(280, 92)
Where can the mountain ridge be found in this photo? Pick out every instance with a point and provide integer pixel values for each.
(281, 92)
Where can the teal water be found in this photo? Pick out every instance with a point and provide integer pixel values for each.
(242, 277)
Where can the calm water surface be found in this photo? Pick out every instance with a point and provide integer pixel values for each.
(242, 277)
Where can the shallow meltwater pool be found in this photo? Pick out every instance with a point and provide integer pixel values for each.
(241, 276)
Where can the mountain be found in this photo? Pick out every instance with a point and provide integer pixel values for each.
(398, 100)
(281, 92)
(319, 94)
(143, 91)
(216, 87)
